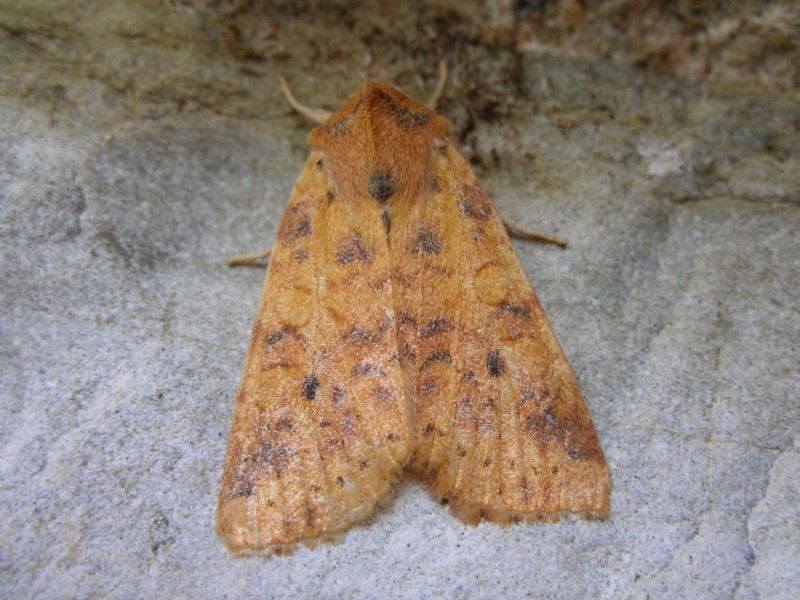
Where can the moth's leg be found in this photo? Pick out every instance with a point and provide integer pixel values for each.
(516, 230)
(251, 259)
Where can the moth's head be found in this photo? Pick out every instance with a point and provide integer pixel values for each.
(381, 108)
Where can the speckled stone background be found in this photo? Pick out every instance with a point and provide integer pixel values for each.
(142, 142)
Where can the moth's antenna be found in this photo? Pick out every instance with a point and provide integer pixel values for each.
(318, 115)
(439, 86)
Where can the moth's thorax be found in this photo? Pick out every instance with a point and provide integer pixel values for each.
(380, 143)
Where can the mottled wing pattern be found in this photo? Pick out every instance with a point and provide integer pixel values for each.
(321, 423)
(504, 433)
(397, 324)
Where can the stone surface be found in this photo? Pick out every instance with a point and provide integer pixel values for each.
(137, 152)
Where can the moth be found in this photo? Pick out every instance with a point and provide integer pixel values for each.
(397, 331)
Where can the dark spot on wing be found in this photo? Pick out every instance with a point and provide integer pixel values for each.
(351, 249)
(284, 424)
(359, 336)
(474, 203)
(242, 487)
(534, 394)
(310, 514)
(575, 436)
(517, 310)
(438, 325)
(585, 449)
(465, 417)
(442, 356)
(386, 217)
(334, 443)
(544, 426)
(365, 368)
(408, 354)
(428, 241)
(349, 423)
(310, 386)
(382, 393)
(495, 364)
(406, 318)
(294, 227)
(381, 186)
(427, 386)
(337, 397)
(286, 331)
(299, 254)
(275, 456)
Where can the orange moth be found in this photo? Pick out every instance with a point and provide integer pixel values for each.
(397, 330)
